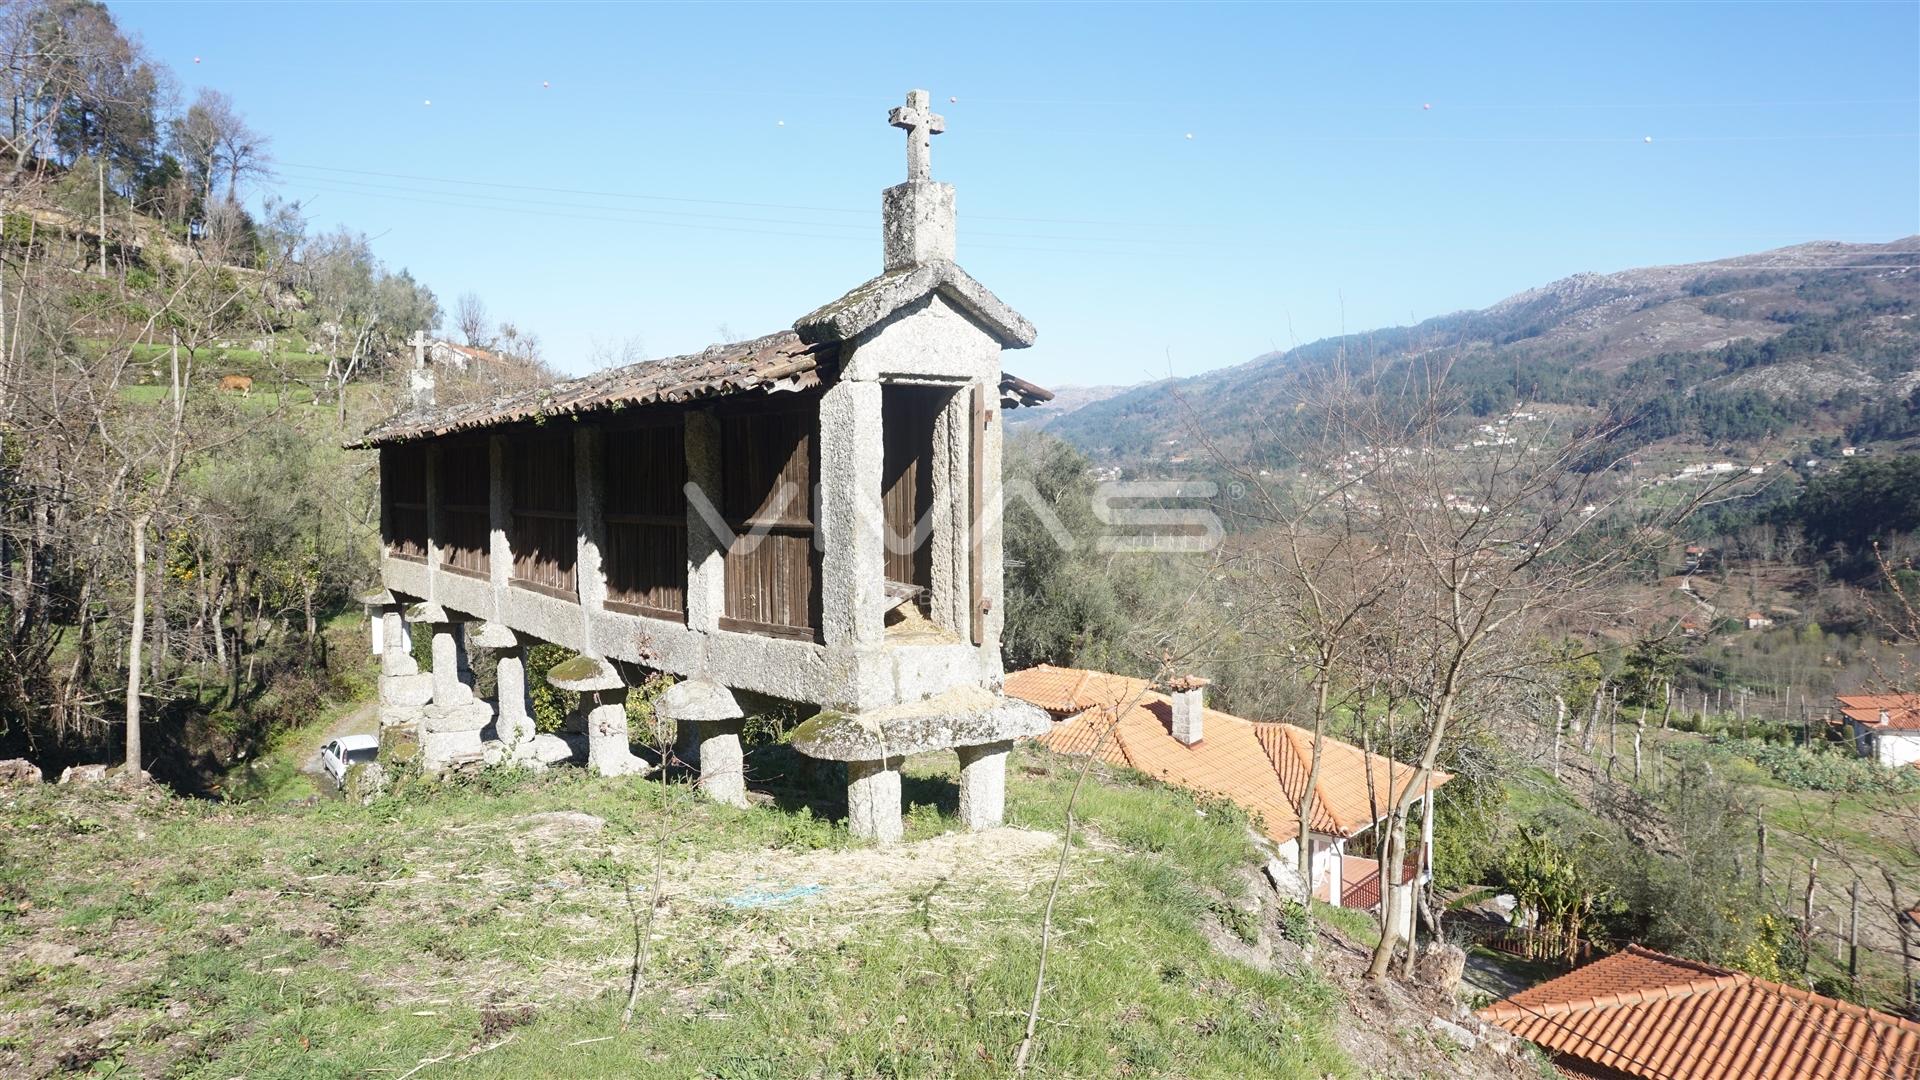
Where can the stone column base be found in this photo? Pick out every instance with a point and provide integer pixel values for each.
(723, 776)
(608, 752)
(983, 785)
(873, 801)
(513, 708)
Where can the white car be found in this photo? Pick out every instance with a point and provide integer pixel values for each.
(345, 752)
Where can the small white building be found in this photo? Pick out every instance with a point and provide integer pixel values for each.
(448, 354)
(1884, 727)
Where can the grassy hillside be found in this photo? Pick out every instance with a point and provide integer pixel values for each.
(488, 928)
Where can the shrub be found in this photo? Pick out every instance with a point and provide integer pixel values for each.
(1295, 922)
(551, 706)
(1819, 770)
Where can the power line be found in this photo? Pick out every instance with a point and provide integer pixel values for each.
(864, 228)
(1598, 140)
(603, 219)
(710, 202)
(1310, 106)
(596, 212)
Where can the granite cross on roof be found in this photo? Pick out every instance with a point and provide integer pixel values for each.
(921, 125)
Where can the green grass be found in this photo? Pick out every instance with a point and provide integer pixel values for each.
(268, 394)
(183, 938)
(1360, 926)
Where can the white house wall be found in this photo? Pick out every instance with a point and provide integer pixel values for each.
(1898, 748)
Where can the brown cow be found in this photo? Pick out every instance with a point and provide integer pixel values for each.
(242, 383)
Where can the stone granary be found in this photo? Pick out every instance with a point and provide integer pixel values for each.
(811, 515)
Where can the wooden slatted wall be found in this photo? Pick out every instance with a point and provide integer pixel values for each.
(768, 464)
(646, 515)
(403, 484)
(545, 542)
(465, 525)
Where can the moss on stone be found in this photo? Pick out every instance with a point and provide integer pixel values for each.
(575, 670)
(399, 745)
(822, 721)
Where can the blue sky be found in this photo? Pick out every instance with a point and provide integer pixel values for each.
(606, 173)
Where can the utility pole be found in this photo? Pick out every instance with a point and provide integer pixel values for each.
(1760, 858)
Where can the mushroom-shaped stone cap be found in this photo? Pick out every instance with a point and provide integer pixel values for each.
(379, 598)
(585, 674)
(493, 635)
(428, 612)
(697, 701)
(956, 718)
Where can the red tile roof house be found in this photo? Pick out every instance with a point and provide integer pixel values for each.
(1644, 1015)
(459, 357)
(1885, 727)
(1261, 767)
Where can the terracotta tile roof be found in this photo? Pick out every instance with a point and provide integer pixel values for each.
(1346, 797)
(1903, 710)
(1068, 691)
(779, 360)
(1258, 766)
(722, 369)
(1647, 1014)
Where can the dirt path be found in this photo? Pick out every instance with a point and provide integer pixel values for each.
(364, 720)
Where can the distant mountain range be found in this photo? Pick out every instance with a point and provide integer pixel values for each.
(1818, 340)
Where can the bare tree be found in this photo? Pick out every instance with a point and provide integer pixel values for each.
(195, 139)
(213, 140)
(1311, 571)
(1491, 546)
(245, 153)
(470, 316)
(368, 311)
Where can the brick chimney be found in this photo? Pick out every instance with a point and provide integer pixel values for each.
(1189, 707)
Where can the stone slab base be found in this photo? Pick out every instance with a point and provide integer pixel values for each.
(400, 715)
(406, 690)
(554, 749)
(443, 719)
(439, 750)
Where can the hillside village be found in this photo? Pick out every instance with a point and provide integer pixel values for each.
(1525, 692)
